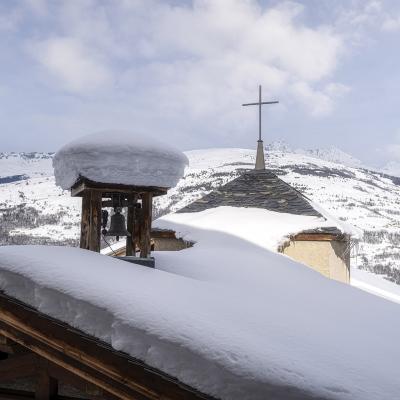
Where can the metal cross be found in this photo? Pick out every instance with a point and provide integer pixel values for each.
(259, 104)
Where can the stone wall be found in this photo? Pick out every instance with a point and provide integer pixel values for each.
(330, 258)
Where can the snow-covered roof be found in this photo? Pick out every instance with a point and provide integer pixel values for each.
(264, 228)
(262, 189)
(227, 317)
(117, 157)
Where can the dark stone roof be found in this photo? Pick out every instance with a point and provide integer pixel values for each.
(256, 189)
(326, 229)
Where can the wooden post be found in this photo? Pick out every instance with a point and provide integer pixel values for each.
(131, 240)
(46, 386)
(91, 220)
(145, 243)
(138, 224)
(85, 220)
(95, 220)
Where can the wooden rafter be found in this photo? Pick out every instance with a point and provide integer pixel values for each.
(85, 184)
(87, 358)
(319, 237)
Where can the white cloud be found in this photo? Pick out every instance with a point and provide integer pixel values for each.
(318, 103)
(336, 90)
(391, 24)
(187, 66)
(10, 18)
(227, 42)
(392, 151)
(70, 62)
(39, 7)
(366, 16)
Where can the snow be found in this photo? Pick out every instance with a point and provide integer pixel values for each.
(334, 155)
(120, 158)
(375, 284)
(28, 164)
(361, 197)
(270, 231)
(331, 154)
(349, 229)
(226, 316)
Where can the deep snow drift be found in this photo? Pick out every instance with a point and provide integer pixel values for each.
(227, 316)
(265, 228)
(119, 157)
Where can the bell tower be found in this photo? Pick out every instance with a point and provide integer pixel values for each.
(138, 201)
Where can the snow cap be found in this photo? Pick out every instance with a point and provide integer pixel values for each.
(119, 157)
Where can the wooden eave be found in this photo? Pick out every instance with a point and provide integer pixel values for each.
(79, 355)
(319, 237)
(163, 234)
(84, 184)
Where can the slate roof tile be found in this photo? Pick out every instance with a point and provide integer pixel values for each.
(256, 189)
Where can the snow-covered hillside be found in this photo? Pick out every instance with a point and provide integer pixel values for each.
(34, 210)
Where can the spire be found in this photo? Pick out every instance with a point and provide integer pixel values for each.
(260, 159)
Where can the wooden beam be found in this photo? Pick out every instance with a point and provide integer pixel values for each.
(163, 234)
(85, 221)
(95, 220)
(145, 242)
(318, 237)
(88, 358)
(19, 366)
(84, 184)
(12, 348)
(138, 225)
(14, 394)
(91, 220)
(66, 377)
(131, 240)
(46, 386)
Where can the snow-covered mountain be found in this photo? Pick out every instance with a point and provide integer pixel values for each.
(34, 210)
(332, 153)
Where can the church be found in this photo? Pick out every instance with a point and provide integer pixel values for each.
(324, 248)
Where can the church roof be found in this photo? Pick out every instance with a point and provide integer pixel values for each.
(256, 189)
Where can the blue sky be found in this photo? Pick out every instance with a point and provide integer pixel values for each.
(180, 70)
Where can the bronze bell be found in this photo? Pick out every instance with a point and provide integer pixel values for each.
(117, 225)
